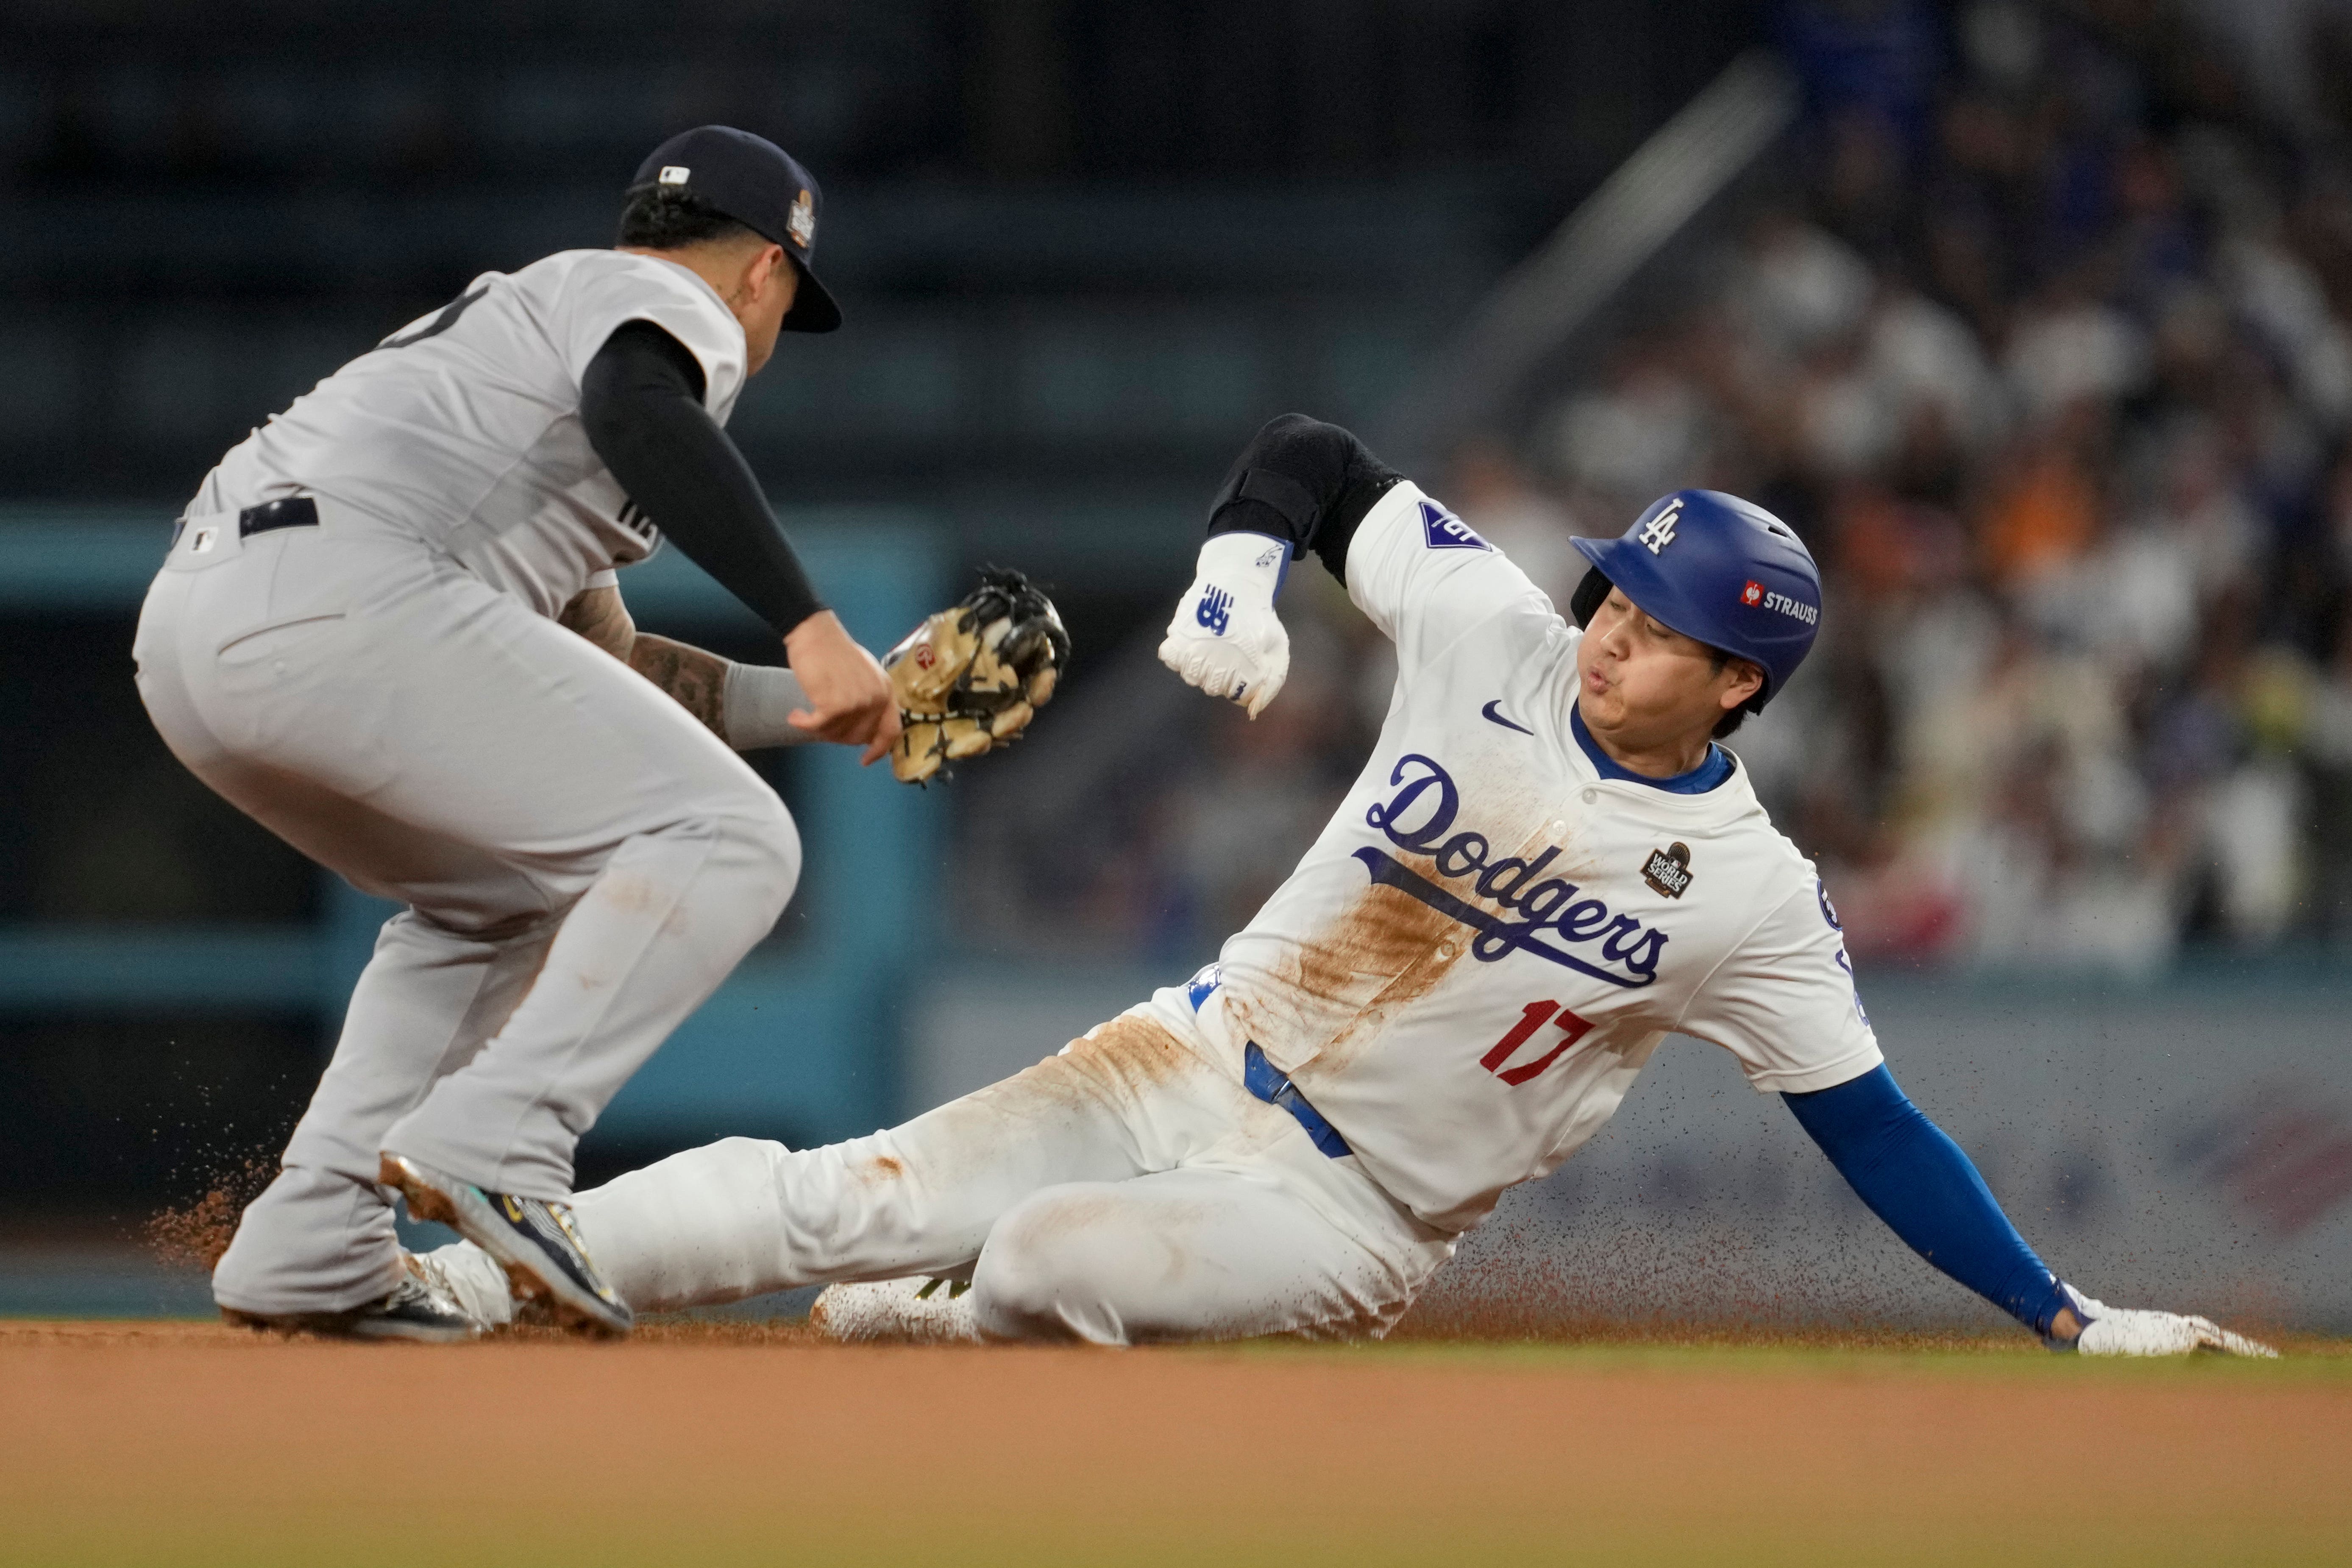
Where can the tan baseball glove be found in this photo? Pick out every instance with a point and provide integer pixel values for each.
(972, 677)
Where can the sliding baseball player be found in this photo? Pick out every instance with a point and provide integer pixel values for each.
(1547, 864)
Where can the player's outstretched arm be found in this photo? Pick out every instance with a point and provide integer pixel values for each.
(1299, 485)
(748, 706)
(641, 404)
(751, 707)
(1914, 1177)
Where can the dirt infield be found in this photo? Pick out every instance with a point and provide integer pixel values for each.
(705, 1444)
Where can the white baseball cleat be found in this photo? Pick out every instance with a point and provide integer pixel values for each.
(472, 1277)
(918, 1310)
(2135, 1330)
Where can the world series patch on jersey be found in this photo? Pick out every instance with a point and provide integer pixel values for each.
(463, 429)
(1472, 964)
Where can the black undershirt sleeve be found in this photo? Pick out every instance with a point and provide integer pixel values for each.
(1305, 481)
(641, 401)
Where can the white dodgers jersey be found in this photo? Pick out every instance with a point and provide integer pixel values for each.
(1470, 967)
(463, 429)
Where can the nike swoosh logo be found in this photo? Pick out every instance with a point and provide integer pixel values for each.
(1488, 713)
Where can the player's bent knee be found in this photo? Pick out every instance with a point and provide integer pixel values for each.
(765, 840)
(1051, 1271)
(1017, 1294)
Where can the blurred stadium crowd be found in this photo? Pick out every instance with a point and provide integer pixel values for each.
(2046, 354)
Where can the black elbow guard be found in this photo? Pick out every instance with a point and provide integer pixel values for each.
(1303, 480)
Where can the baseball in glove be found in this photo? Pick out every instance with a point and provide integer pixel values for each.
(972, 675)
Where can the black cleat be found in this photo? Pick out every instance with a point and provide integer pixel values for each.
(531, 1238)
(418, 1309)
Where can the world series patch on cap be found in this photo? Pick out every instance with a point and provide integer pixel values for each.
(761, 186)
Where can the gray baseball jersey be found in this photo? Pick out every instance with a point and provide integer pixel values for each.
(463, 429)
(387, 691)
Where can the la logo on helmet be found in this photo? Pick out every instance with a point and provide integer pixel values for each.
(1753, 593)
(1660, 531)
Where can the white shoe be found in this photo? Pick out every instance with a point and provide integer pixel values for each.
(471, 1275)
(916, 1310)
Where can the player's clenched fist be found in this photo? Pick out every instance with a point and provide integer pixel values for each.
(1225, 637)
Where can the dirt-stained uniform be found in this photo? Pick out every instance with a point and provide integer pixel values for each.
(1453, 991)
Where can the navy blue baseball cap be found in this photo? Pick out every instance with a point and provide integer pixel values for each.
(761, 186)
(1718, 569)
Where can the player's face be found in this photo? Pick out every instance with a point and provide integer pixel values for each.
(1646, 691)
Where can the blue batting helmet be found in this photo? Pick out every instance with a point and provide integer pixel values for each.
(1718, 569)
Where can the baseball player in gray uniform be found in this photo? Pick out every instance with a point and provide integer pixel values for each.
(1547, 864)
(388, 629)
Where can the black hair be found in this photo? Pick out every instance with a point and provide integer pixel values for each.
(658, 217)
(1587, 600)
(1591, 590)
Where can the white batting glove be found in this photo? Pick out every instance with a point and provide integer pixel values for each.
(1225, 637)
(2134, 1330)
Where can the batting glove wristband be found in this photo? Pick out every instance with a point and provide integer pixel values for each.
(1225, 637)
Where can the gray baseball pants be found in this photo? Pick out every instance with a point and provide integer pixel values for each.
(581, 860)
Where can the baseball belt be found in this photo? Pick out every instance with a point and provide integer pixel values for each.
(1271, 1084)
(289, 511)
(293, 511)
